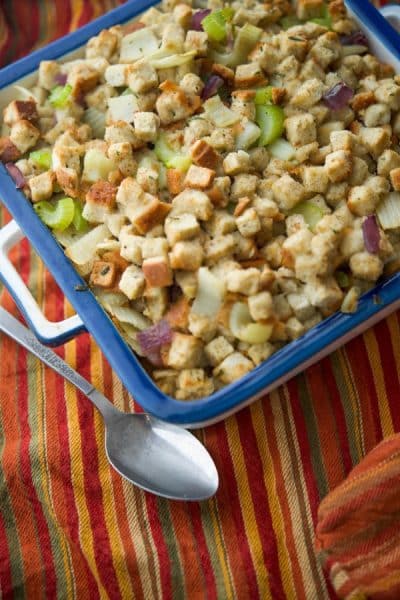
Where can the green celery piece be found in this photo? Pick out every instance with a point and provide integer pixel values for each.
(311, 212)
(170, 158)
(56, 215)
(214, 25)
(289, 21)
(78, 221)
(343, 279)
(60, 95)
(227, 13)
(270, 119)
(323, 21)
(41, 158)
(246, 38)
(127, 92)
(263, 95)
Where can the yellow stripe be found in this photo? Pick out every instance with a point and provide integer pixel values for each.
(289, 477)
(76, 9)
(221, 552)
(135, 505)
(346, 375)
(246, 504)
(377, 373)
(273, 500)
(37, 277)
(108, 500)
(76, 451)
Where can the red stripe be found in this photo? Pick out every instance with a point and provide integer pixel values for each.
(6, 586)
(87, 13)
(390, 374)
(92, 485)
(7, 40)
(338, 412)
(161, 546)
(364, 382)
(255, 473)
(304, 447)
(205, 562)
(228, 495)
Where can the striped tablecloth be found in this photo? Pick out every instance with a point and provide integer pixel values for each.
(70, 527)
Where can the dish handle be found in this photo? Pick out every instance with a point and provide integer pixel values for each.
(48, 332)
(391, 12)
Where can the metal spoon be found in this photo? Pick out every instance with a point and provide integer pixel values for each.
(158, 457)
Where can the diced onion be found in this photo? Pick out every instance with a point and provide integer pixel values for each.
(356, 38)
(154, 337)
(83, 250)
(282, 149)
(210, 294)
(219, 114)
(211, 87)
(138, 44)
(371, 234)
(245, 329)
(96, 166)
(16, 175)
(197, 18)
(388, 211)
(248, 136)
(123, 108)
(129, 315)
(171, 61)
(354, 49)
(338, 97)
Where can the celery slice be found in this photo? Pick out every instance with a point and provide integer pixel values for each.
(289, 21)
(169, 157)
(41, 158)
(270, 119)
(58, 215)
(245, 41)
(244, 328)
(78, 221)
(60, 95)
(282, 149)
(214, 24)
(343, 279)
(263, 96)
(311, 212)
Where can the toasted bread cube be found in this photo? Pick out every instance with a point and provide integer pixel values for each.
(315, 179)
(395, 179)
(359, 171)
(233, 367)
(388, 161)
(308, 94)
(185, 352)
(42, 186)
(249, 75)
(236, 162)
(219, 247)
(217, 350)
(181, 227)
(103, 45)
(187, 255)
(132, 282)
(287, 192)
(376, 115)
(366, 266)
(243, 281)
(261, 306)
(362, 200)
(48, 69)
(192, 201)
(338, 165)
(103, 274)
(83, 78)
(294, 328)
(248, 223)
(342, 140)
(115, 75)
(68, 180)
(120, 131)
(309, 9)
(375, 139)
(173, 104)
(157, 271)
(204, 155)
(122, 155)
(175, 179)
(192, 383)
(324, 294)
(154, 246)
(301, 129)
(24, 135)
(196, 40)
(8, 151)
(219, 191)
(129, 189)
(20, 110)
(146, 126)
(102, 193)
(147, 214)
(191, 84)
(199, 177)
(388, 92)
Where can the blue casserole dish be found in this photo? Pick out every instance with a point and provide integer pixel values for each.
(290, 360)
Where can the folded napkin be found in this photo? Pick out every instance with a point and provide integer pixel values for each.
(358, 533)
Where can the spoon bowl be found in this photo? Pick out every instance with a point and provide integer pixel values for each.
(156, 456)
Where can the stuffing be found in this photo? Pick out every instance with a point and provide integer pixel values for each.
(189, 200)
(24, 135)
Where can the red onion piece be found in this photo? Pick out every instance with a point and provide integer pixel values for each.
(197, 18)
(371, 234)
(212, 86)
(61, 78)
(337, 97)
(154, 337)
(16, 175)
(357, 38)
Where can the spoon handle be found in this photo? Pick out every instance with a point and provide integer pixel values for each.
(22, 335)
